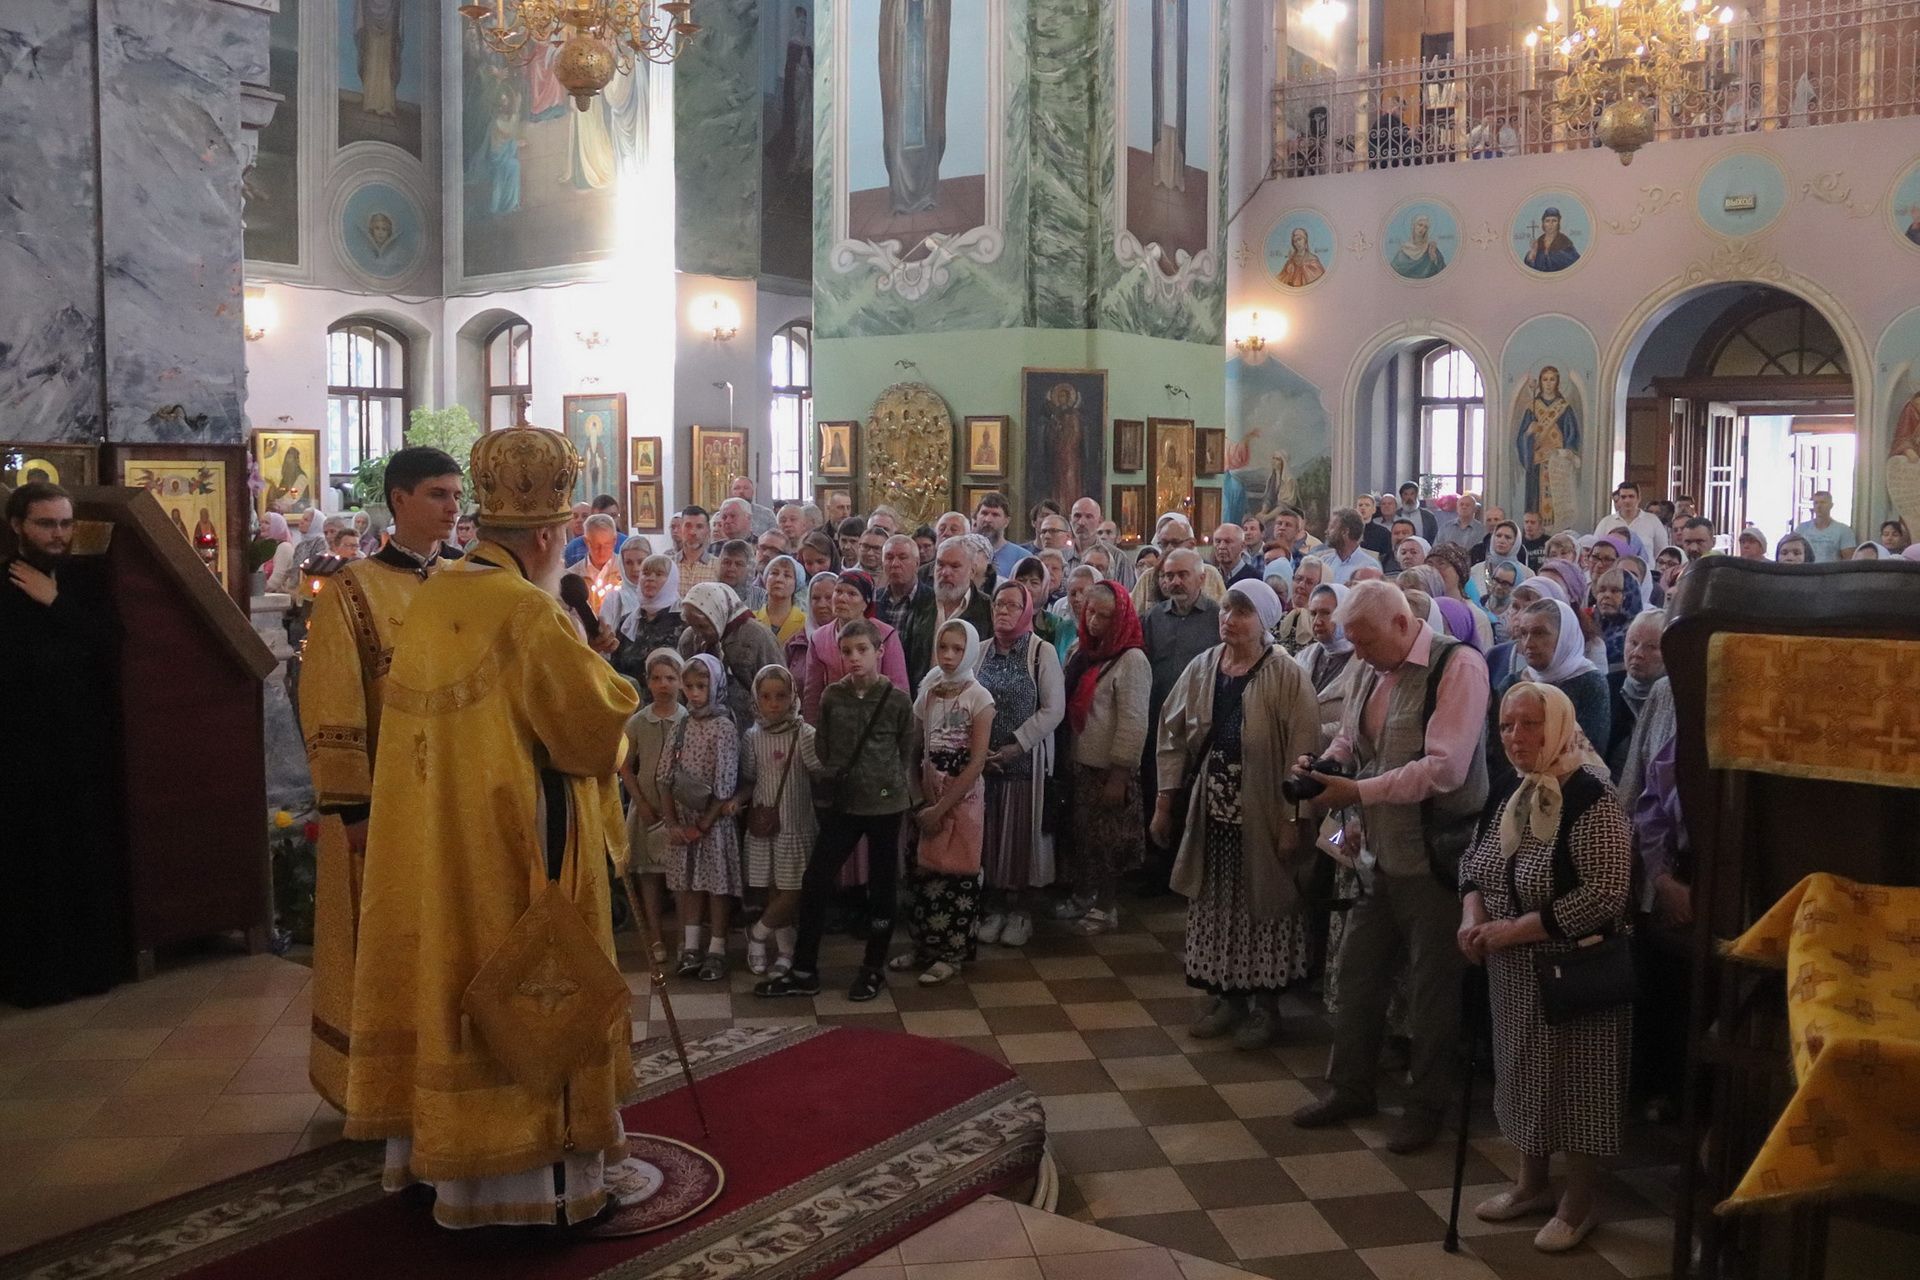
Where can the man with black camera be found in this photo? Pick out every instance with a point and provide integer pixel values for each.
(1413, 741)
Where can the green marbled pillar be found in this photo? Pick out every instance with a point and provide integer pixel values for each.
(716, 140)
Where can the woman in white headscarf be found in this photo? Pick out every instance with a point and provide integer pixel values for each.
(283, 571)
(1552, 865)
(1326, 659)
(1235, 718)
(720, 625)
(654, 620)
(1548, 637)
(625, 599)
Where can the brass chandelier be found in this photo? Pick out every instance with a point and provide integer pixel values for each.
(597, 39)
(1618, 67)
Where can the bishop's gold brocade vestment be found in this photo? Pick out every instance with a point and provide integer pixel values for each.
(490, 684)
(343, 674)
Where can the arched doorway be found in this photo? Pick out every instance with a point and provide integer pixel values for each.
(1421, 414)
(1742, 399)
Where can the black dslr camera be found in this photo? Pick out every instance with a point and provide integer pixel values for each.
(1300, 787)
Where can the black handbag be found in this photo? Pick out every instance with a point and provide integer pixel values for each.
(1595, 975)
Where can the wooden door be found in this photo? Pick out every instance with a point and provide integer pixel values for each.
(1648, 448)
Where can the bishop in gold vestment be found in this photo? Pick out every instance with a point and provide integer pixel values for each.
(496, 718)
(343, 676)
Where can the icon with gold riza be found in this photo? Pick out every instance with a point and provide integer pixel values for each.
(546, 998)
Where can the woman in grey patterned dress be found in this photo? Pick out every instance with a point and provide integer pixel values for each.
(1232, 722)
(1552, 865)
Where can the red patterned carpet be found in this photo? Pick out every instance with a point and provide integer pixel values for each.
(837, 1143)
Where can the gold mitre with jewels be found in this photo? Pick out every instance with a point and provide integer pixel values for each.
(523, 477)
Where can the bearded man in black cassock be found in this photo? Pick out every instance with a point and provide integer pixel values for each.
(62, 891)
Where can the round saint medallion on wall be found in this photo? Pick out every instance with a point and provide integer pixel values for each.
(382, 233)
(1741, 194)
(1300, 250)
(1551, 232)
(1903, 206)
(1422, 238)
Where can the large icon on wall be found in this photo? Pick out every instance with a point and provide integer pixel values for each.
(596, 425)
(1170, 459)
(719, 454)
(1066, 432)
(1422, 237)
(1300, 249)
(384, 47)
(1550, 367)
(61, 464)
(1550, 231)
(203, 490)
(286, 459)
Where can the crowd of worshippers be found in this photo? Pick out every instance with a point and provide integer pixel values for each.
(1429, 738)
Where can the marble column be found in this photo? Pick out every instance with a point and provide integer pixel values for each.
(123, 134)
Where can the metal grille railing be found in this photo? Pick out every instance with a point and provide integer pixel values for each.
(1831, 62)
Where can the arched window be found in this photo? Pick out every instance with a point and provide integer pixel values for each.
(791, 412)
(366, 392)
(509, 370)
(1453, 422)
(1774, 336)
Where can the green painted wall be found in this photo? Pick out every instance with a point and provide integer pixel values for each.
(1056, 295)
(716, 143)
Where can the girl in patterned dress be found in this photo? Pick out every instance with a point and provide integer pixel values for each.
(699, 775)
(956, 721)
(775, 758)
(1553, 863)
(648, 731)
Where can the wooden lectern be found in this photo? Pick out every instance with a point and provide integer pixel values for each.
(1752, 835)
(192, 762)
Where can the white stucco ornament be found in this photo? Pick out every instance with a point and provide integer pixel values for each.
(914, 278)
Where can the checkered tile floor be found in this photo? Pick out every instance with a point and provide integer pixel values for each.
(1189, 1144)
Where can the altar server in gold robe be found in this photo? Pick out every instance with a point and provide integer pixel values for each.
(343, 673)
(488, 1049)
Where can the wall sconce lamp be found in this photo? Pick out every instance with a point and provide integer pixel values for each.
(257, 312)
(718, 316)
(1255, 332)
(591, 339)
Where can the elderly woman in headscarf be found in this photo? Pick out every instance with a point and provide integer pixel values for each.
(283, 571)
(1023, 674)
(1616, 603)
(719, 625)
(654, 621)
(1548, 637)
(1551, 867)
(1326, 659)
(852, 598)
(1109, 684)
(1412, 551)
(1503, 547)
(1295, 631)
(1233, 722)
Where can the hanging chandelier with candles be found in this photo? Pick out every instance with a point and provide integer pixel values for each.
(1619, 67)
(596, 39)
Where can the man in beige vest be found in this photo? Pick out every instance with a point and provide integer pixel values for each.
(1414, 737)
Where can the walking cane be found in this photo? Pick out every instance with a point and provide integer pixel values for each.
(1470, 980)
(659, 978)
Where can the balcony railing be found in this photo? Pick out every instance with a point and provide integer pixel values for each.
(1837, 61)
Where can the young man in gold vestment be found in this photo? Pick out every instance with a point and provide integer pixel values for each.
(343, 673)
(499, 742)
